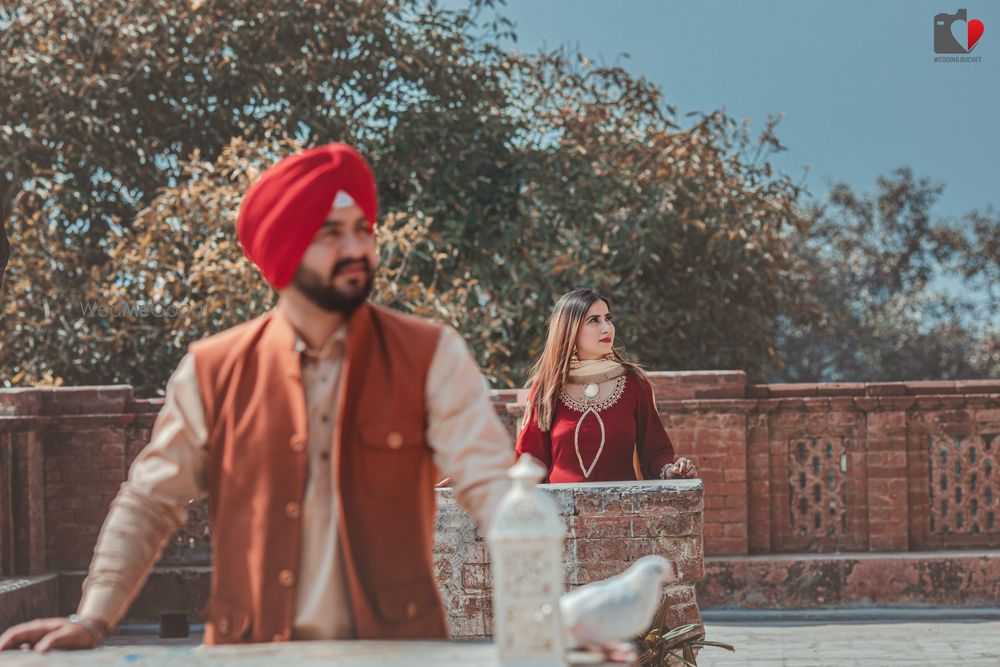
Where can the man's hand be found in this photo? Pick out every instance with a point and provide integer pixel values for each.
(682, 467)
(51, 633)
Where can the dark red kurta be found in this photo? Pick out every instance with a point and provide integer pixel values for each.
(630, 422)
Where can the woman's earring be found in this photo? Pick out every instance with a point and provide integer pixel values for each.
(574, 362)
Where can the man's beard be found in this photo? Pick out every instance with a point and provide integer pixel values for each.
(326, 296)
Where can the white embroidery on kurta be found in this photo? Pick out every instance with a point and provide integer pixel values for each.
(588, 407)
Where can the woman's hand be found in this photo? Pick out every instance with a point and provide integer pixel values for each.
(50, 633)
(681, 468)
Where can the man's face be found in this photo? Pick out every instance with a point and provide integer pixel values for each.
(338, 269)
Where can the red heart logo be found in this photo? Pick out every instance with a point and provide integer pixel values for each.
(976, 29)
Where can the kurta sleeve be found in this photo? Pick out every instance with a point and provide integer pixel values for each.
(470, 443)
(533, 440)
(152, 504)
(651, 439)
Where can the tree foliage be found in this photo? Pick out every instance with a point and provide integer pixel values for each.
(131, 130)
(899, 293)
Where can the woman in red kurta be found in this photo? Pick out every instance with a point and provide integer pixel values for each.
(591, 416)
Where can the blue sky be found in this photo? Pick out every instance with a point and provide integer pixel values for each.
(856, 80)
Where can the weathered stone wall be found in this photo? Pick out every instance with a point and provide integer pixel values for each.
(608, 526)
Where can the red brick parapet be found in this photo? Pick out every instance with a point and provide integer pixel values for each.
(65, 450)
(839, 466)
(821, 468)
(71, 447)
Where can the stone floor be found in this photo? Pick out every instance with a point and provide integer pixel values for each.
(875, 644)
(969, 643)
(300, 654)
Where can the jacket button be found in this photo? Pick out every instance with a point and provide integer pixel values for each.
(225, 625)
(411, 609)
(297, 443)
(394, 440)
(286, 578)
(293, 510)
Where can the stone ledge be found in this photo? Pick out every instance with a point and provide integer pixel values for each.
(49, 401)
(813, 581)
(872, 389)
(681, 385)
(26, 598)
(671, 387)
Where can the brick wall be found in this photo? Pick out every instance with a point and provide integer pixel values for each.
(762, 451)
(608, 527)
(68, 450)
(836, 467)
(821, 468)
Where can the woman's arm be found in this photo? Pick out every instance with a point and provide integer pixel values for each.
(533, 440)
(652, 442)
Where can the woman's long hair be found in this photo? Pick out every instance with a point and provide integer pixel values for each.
(548, 375)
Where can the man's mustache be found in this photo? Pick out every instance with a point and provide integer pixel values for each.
(350, 263)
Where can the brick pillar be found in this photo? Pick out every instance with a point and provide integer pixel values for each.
(888, 509)
(717, 442)
(759, 484)
(6, 505)
(705, 414)
(35, 497)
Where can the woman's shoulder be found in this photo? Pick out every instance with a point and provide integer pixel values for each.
(636, 378)
(637, 384)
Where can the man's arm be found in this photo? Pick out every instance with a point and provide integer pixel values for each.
(148, 509)
(471, 445)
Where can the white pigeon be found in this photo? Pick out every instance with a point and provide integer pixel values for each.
(616, 608)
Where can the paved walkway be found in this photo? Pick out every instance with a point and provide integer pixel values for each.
(882, 644)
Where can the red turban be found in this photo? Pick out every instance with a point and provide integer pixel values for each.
(289, 203)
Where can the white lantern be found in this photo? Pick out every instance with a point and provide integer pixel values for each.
(526, 550)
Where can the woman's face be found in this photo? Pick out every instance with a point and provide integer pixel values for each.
(596, 336)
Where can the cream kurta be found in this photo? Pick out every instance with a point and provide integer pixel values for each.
(470, 445)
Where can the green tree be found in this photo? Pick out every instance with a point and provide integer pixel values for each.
(898, 293)
(506, 179)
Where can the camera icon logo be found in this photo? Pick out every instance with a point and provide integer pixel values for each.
(954, 33)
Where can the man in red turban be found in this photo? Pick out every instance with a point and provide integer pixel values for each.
(317, 430)
(285, 208)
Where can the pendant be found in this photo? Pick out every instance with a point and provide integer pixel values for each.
(590, 391)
